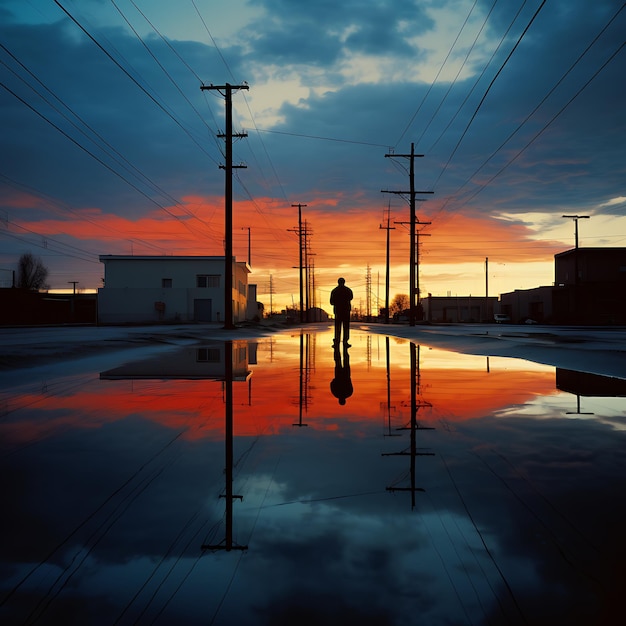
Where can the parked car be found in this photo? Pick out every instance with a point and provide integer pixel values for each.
(501, 318)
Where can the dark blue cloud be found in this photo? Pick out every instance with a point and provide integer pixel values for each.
(324, 32)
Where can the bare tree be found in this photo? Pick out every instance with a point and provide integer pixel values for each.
(400, 303)
(31, 272)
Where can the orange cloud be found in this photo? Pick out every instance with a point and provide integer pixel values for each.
(339, 240)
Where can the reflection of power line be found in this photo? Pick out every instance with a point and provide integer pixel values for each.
(413, 426)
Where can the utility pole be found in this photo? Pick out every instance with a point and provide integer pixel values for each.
(576, 218)
(387, 228)
(271, 294)
(487, 289)
(368, 293)
(73, 283)
(300, 232)
(307, 274)
(415, 280)
(411, 193)
(249, 251)
(227, 91)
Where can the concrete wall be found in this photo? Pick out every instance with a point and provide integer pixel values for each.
(522, 304)
(125, 305)
(134, 290)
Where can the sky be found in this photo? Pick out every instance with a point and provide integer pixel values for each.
(109, 146)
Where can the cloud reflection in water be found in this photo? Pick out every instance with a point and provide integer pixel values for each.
(448, 488)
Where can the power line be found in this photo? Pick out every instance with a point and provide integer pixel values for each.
(493, 80)
(452, 83)
(321, 138)
(105, 146)
(479, 77)
(543, 100)
(430, 88)
(133, 79)
(99, 160)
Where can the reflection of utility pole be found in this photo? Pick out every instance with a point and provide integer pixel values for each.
(411, 193)
(305, 368)
(388, 405)
(387, 228)
(226, 90)
(228, 544)
(578, 411)
(413, 427)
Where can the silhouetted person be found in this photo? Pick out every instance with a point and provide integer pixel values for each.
(341, 297)
(341, 385)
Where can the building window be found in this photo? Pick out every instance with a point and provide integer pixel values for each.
(242, 288)
(207, 280)
(166, 283)
(208, 355)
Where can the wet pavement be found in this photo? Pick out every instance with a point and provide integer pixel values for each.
(274, 480)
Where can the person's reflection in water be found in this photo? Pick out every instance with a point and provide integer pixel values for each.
(341, 385)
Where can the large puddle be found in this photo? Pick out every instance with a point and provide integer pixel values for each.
(279, 482)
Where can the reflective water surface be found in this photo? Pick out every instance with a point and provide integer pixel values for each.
(276, 481)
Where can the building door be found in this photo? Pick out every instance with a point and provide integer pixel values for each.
(202, 309)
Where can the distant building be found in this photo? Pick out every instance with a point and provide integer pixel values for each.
(153, 289)
(528, 304)
(459, 308)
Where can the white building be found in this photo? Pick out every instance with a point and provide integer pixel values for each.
(149, 289)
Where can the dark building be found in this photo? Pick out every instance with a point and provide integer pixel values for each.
(528, 304)
(589, 288)
(25, 307)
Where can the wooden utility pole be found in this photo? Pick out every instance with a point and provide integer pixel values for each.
(387, 228)
(576, 218)
(227, 91)
(300, 243)
(249, 249)
(411, 193)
